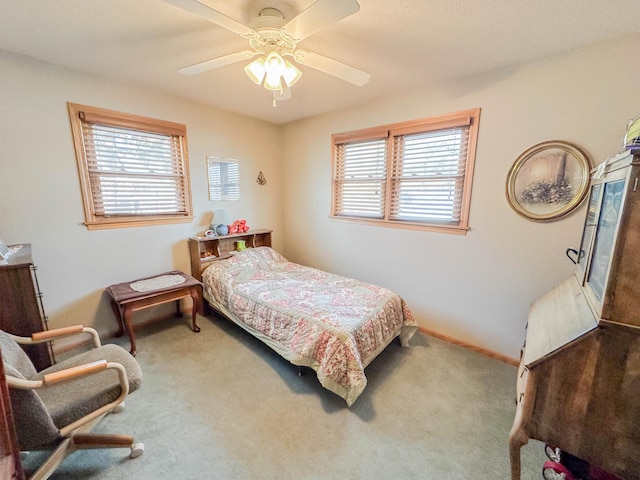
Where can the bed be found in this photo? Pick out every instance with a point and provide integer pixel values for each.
(332, 324)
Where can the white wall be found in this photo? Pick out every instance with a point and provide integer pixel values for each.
(477, 287)
(41, 204)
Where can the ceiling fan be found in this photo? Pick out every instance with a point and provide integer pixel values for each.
(274, 40)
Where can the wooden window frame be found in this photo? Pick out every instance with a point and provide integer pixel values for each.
(94, 220)
(390, 133)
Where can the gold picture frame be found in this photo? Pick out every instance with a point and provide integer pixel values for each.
(548, 181)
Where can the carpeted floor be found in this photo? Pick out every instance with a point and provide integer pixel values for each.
(220, 405)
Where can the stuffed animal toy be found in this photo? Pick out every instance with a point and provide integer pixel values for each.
(239, 226)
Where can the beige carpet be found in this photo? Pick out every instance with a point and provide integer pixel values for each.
(220, 405)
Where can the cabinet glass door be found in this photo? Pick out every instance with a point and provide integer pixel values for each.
(587, 233)
(610, 210)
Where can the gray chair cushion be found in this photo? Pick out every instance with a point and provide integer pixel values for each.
(34, 426)
(14, 355)
(69, 401)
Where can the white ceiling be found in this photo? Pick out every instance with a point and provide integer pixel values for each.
(403, 44)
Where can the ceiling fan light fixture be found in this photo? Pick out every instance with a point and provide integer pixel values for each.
(256, 70)
(272, 82)
(291, 74)
(272, 72)
(274, 66)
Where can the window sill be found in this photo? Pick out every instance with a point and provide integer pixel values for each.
(119, 223)
(455, 230)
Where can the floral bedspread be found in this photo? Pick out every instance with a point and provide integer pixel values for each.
(333, 324)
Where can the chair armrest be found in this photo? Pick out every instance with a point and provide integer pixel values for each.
(65, 375)
(22, 384)
(74, 372)
(49, 335)
(71, 374)
(56, 332)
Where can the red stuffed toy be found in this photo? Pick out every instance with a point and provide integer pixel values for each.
(239, 226)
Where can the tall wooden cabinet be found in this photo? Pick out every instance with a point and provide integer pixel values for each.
(21, 309)
(579, 377)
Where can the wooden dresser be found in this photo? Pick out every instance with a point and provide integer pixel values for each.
(21, 309)
(578, 383)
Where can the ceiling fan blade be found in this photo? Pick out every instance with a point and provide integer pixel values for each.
(208, 13)
(332, 67)
(319, 15)
(217, 62)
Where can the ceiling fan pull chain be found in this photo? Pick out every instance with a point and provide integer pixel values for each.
(274, 99)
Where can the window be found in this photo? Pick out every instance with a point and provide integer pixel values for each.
(415, 174)
(133, 170)
(224, 179)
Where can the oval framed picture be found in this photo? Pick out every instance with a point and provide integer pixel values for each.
(549, 180)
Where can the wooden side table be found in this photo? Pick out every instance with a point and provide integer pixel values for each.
(125, 300)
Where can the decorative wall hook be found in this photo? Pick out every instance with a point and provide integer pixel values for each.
(261, 180)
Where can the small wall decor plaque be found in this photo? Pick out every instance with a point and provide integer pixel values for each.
(548, 181)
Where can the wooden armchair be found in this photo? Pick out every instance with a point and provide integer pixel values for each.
(54, 409)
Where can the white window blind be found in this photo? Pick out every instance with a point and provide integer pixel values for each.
(224, 179)
(133, 172)
(428, 175)
(361, 176)
(417, 174)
